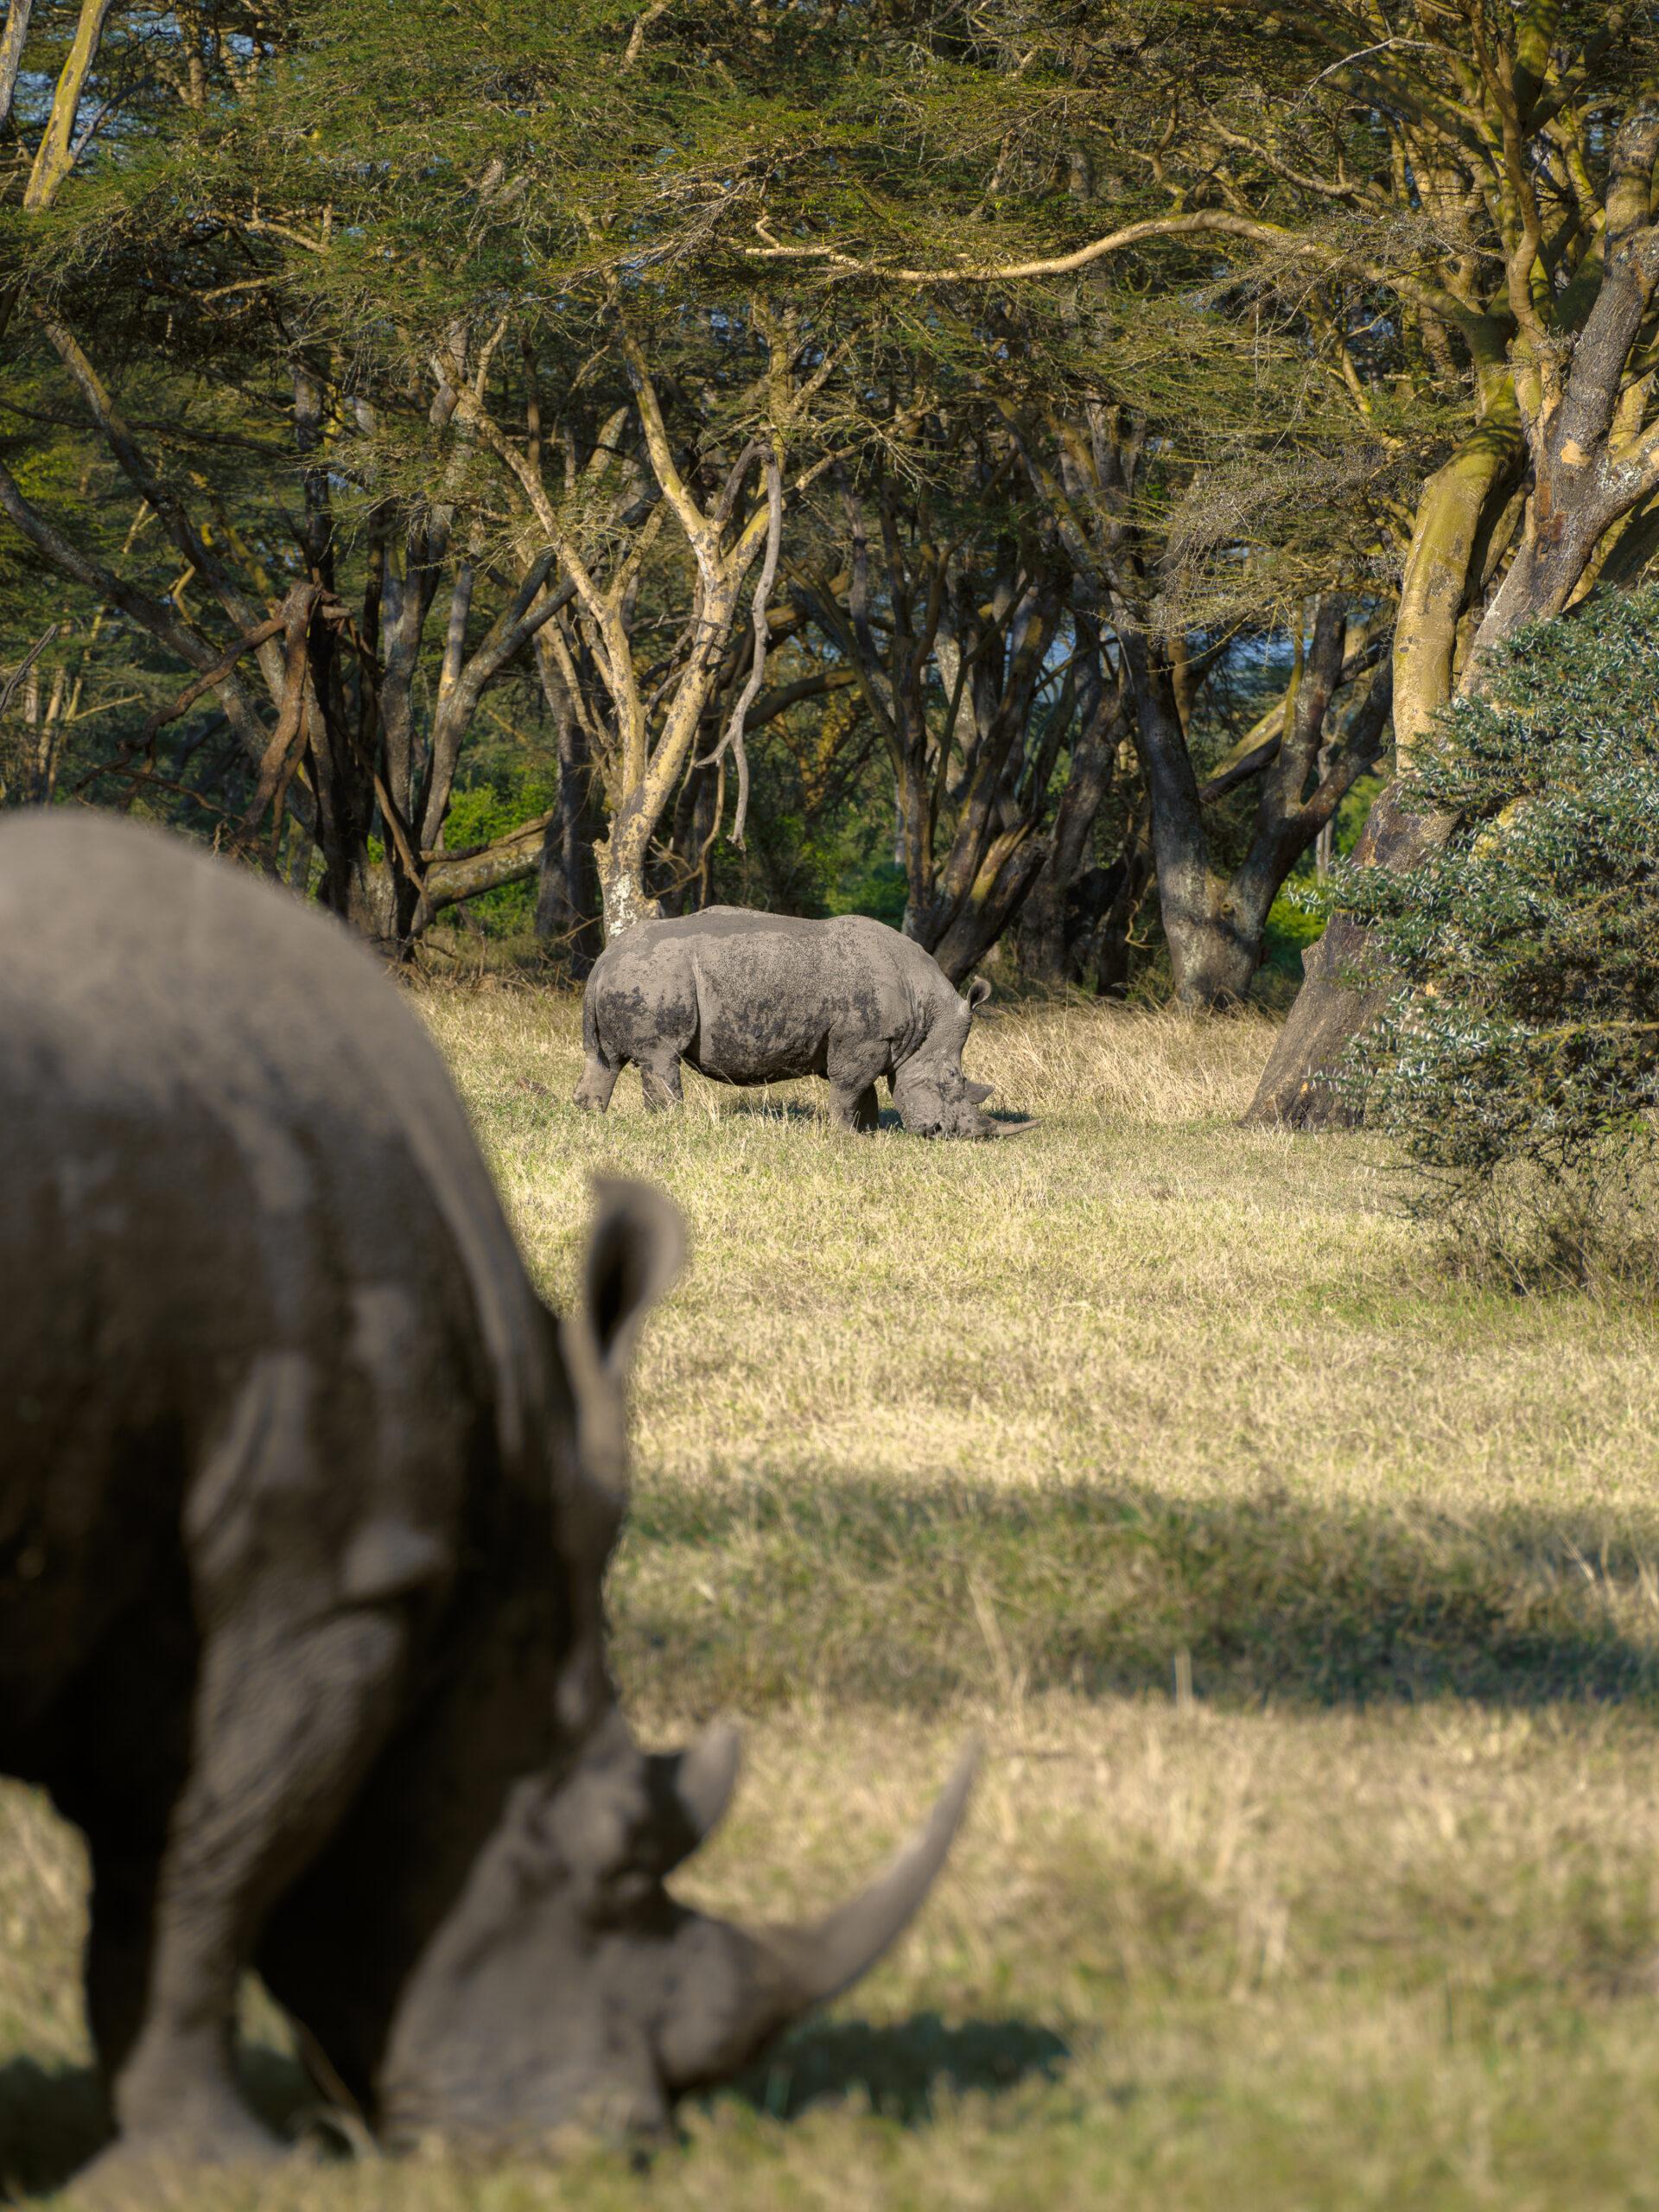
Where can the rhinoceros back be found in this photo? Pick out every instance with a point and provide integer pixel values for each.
(225, 1142)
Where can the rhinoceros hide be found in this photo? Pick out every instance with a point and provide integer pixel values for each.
(749, 999)
(305, 1500)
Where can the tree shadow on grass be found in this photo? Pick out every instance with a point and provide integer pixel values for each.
(899, 2071)
(754, 1593)
(54, 2118)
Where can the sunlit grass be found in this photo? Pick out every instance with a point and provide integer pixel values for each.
(1307, 1602)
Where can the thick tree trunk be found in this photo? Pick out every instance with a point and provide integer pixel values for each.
(1458, 502)
(1214, 950)
(1444, 565)
(621, 857)
(377, 897)
(1335, 1003)
(358, 887)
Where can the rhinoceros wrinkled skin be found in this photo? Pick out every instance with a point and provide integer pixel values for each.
(305, 1499)
(747, 998)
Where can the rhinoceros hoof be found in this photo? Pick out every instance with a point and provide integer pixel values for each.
(134, 2174)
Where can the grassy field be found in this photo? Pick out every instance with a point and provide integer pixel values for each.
(1307, 1604)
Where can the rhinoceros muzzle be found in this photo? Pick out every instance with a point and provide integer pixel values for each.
(569, 1989)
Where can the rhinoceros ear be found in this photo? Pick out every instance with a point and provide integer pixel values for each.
(634, 1253)
(978, 991)
(636, 1249)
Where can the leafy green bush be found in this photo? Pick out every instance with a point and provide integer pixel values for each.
(1520, 1052)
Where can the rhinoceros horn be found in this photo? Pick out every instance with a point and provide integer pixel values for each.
(740, 1987)
(818, 1962)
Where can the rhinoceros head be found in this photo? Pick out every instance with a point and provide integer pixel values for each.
(933, 1095)
(567, 1985)
(571, 1986)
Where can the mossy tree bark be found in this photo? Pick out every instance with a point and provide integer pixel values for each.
(1453, 516)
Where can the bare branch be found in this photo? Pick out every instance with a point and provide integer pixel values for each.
(12, 53)
(188, 698)
(9, 688)
(55, 157)
(642, 24)
(731, 742)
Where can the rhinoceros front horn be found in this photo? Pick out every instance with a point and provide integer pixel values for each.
(742, 1986)
(818, 1962)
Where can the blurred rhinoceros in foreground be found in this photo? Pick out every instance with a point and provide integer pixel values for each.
(305, 1499)
(748, 998)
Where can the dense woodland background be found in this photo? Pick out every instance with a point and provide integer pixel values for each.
(1028, 470)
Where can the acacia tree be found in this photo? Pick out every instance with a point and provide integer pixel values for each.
(1214, 919)
(1461, 200)
(641, 708)
(948, 622)
(400, 313)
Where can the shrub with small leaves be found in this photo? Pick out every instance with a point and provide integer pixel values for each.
(1523, 1033)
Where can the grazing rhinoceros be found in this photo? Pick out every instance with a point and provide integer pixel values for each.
(305, 1499)
(750, 998)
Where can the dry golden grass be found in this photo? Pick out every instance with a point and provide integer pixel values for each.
(1307, 1603)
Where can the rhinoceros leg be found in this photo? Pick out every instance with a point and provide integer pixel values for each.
(288, 1714)
(598, 1082)
(295, 1688)
(124, 1879)
(659, 1079)
(852, 1072)
(855, 1109)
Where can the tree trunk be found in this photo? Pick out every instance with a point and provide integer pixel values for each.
(621, 858)
(1213, 952)
(1442, 568)
(377, 898)
(1044, 933)
(1107, 944)
(985, 912)
(1330, 1010)
(567, 913)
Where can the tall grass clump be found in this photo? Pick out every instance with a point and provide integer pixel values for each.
(1517, 1059)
